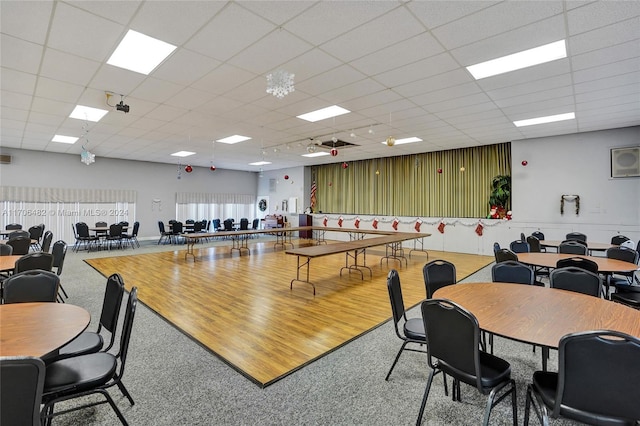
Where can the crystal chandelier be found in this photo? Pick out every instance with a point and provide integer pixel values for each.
(87, 157)
(280, 83)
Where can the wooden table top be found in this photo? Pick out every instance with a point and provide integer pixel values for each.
(539, 315)
(38, 329)
(343, 246)
(7, 263)
(549, 260)
(5, 241)
(590, 245)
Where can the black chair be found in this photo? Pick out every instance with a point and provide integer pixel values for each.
(228, 224)
(453, 348)
(578, 262)
(166, 235)
(6, 250)
(576, 236)
(188, 225)
(91, 342)
(13, 227)
(438, 274)
(47, 238)
(496, 247)
(59, 253)
(511, 271)
(20, 244)
(176, 231)
(31, 286)
(115, 235)
(132, 238)
(31, 261)
(89, 374)
(540, 236)
(102, 234)
(576, 279)
(622, 281)
(572, 247)
(596, 383)
(35, 233)
(412, 329)
(85, 238)
(21, 390)
(244, 224)
(216, 225)
(505, 254)
(630, 299)
(20, 233)
(534, 244)
(618, 239)
(519, 246)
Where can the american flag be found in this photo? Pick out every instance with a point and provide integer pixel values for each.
(314, 188)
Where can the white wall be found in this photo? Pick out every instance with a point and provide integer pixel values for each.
(150, 180)
(570, 164)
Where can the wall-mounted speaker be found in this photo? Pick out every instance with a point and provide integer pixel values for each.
(625, 162)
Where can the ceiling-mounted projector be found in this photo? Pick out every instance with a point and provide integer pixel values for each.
(122, 107)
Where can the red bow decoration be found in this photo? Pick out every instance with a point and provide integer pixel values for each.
(357, 223)
(479, 229)
(324, 221)
(340, 222)
(395, 224)
(441, 227)
(417, 225)
(375, 223)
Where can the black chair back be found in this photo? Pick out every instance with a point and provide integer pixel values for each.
(197, 226)
(31, 261)
(21, 389)
(13, 227)
(496, 247)
(438, 274)
(505, 254)
(578, 262)
(228, 224)
(31, 286)
(539, 235)
(624, 254)
(59, 252)
(161, 227)
(519, 246)
(534, 244)
(511, 271)
(176, 228)
(395, 297)
(83, 230)
(46, 241)
(216, 224)
(115, 230)
(35, 232)
(572, 247)
(618, 239)
(6, 250)
(255, 224)
(584, 383)
(244, 224)
(576, 236)
(576, 279)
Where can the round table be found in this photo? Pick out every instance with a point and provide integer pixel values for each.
(549, 260)
(39, 329)
(8, 263)
(590, 246)
(539, 315)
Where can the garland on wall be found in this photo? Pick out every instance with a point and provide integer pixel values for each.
(568, 197)
(478, 225)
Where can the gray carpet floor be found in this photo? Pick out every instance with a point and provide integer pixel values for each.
(175, 381)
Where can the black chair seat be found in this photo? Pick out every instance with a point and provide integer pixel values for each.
(414, 329)
(631, 299)
(80, 373)
(86, 343)
(494, 371)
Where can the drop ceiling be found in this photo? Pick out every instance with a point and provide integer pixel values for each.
(398, 66)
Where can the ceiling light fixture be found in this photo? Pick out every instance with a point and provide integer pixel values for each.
(280, 83)
(401, 141)
(260, 163)
(183, 153)
(543, 120)
(233, 139)
(81, 112)
(64, 139)
(315, 154)
(324, 113)
(140, 53)
(526, 58)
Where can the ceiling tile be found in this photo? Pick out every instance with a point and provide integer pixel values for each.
(27, 20)
(20, 55)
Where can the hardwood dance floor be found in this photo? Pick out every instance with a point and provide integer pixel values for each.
(241, 307)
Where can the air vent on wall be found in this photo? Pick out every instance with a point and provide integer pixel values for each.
(5, 159)
(625, 162)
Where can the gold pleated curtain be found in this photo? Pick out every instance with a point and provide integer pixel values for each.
(411, 185)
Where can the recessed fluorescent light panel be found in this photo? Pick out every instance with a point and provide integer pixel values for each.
(64, 139)
(182, 153)
(315, 154)
(233, 139)
(405, 140)
(527, 58)
(140, 53)
(260, 163)
(87, 113)
(324, 113)
(547, 119)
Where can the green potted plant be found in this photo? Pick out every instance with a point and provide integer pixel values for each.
(500, 194)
